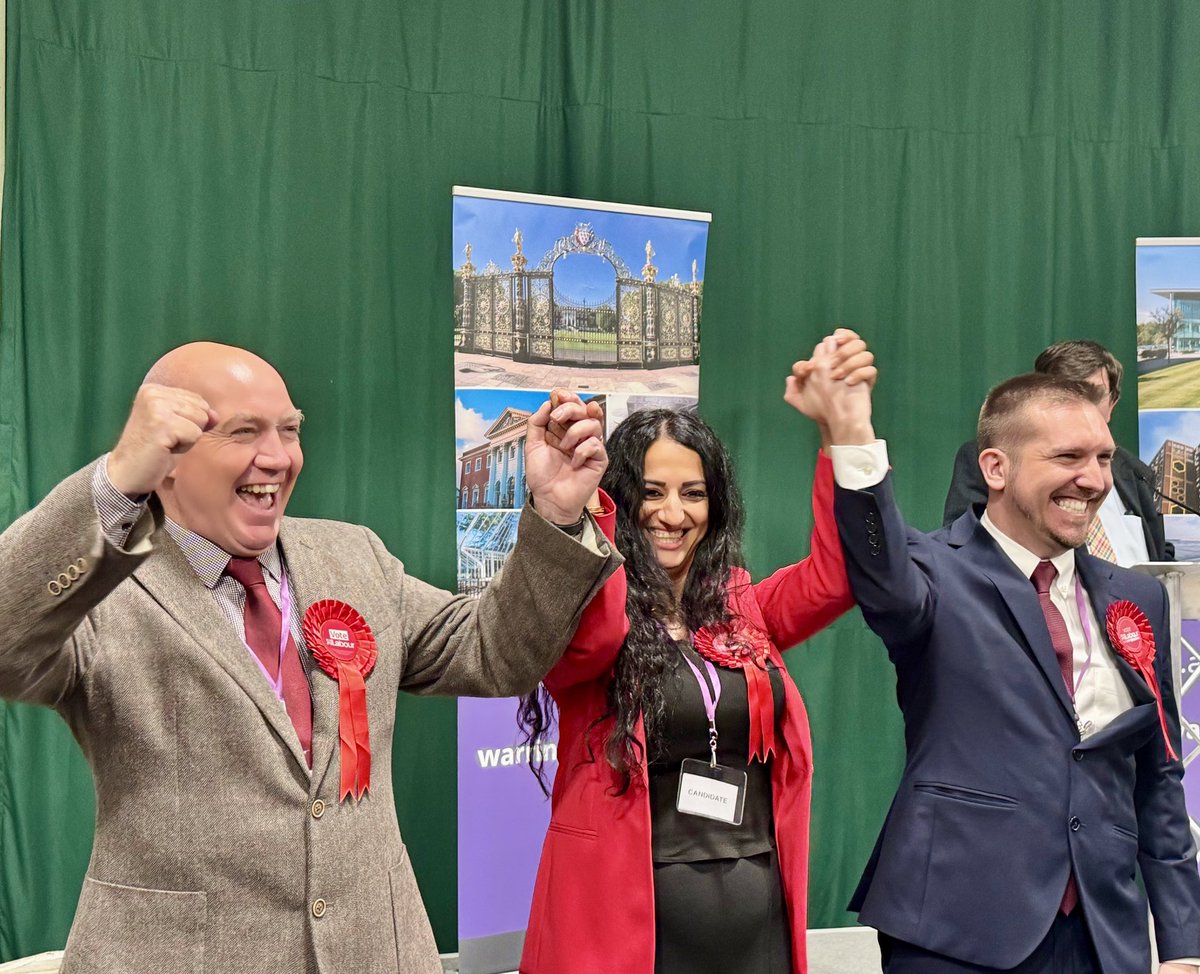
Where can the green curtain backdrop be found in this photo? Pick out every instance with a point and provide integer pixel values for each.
(962, 181)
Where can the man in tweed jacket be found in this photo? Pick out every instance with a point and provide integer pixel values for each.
(221, 844)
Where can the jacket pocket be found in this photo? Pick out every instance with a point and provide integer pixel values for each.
(416, 950)
(572, 830)
(971, 796)
(129, 930)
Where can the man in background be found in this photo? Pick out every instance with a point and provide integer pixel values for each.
(1129, 528)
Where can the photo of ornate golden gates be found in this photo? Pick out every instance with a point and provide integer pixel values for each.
(519, 315)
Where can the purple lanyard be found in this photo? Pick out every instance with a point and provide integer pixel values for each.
(710, 702)
(285, 632)
(1086, 622)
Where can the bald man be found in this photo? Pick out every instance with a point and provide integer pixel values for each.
(163, 604)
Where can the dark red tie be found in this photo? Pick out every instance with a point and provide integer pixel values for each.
(1043, 577)
(263, 620)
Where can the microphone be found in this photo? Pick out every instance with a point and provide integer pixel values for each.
(1141, 475)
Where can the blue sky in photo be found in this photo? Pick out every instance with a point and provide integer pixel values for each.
(489, 226)
(476, 409)
(1161, 267)
(1158, 425)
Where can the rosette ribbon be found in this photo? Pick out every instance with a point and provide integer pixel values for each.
(747, 649)
(344, 647)
(1132, 637)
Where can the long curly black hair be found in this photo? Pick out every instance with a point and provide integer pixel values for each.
(635, 687)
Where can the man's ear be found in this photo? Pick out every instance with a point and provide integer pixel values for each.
(994, 465)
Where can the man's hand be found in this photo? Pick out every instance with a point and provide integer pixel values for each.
(821, 389)
(564, 456)
(852, 361)
(164, 423)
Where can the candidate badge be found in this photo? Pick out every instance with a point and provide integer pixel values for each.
(746, 648)
(344, 647)
(1133, 638)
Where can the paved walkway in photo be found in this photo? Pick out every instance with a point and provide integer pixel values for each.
(486, 372)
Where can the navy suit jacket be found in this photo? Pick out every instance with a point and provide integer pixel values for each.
(999, 798)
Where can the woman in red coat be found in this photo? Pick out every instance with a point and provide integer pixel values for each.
(678, 839)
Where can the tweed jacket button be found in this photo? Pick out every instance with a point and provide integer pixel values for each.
(53, 587)
(81, 564)
(72, 571)
(318, 808)
(64, 579)
(318, 908)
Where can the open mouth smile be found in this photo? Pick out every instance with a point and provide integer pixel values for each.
(261, 497)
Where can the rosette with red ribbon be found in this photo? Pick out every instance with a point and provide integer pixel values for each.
(344, 646)
(1130, 633)
(746, 648)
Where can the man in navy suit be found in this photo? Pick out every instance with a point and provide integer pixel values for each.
(1038, 778)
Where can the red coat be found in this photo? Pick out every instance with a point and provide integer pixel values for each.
(593, 902)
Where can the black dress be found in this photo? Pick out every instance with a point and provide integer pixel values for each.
(718, 900)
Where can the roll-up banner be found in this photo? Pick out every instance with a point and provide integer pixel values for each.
(603, 299)
(1168, 400)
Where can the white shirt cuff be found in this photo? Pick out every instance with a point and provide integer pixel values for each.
(860, 466)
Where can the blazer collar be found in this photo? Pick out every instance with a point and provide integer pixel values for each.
(1020, 598)
(170, 581)
(1097, 577)
(310, 581)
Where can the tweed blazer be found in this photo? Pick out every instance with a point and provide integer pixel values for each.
(216, 849)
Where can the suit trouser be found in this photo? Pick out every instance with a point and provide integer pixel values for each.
(1066, 949)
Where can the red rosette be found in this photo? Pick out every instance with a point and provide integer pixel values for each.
(746, 648)
(344, 647)
(1132, 637)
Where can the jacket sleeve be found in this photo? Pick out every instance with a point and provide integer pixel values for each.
(57, 567)
(602, 628)
(804, 598)
(505, 641)
(892, 585)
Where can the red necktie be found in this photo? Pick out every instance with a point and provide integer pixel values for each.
(263, 621)
(1043, 577)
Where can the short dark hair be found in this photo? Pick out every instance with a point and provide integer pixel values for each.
(1001, 423)
(1080, 360)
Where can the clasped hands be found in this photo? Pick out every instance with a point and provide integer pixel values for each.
(833, 388)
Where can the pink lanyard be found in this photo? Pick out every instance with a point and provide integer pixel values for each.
(1086, 622)
(285, 632)
(710, 701)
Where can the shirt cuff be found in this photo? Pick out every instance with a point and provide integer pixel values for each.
(118, 512)
(858, 467)
(1182, 960)
(591, 538)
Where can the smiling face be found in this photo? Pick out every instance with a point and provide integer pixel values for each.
(1044, 492)
(232, 487)
(674, 514)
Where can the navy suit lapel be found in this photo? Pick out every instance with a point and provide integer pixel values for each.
(1019, 596)
(1096, 574)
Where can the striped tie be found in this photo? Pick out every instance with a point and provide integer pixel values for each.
(1098, 543)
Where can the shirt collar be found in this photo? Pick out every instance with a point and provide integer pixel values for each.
(209, 560)
(1026, 561)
